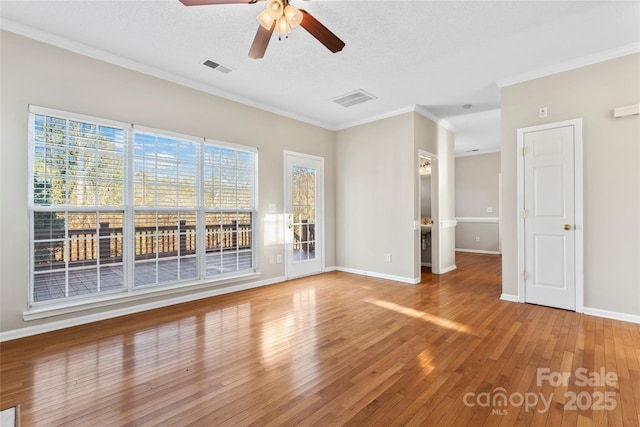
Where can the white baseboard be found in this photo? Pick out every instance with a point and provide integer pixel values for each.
(509, 297)
(448, 269)
(328, 269)
(426, 264)
(478, 251)
(615, 315)
(81, 320)
(607, 314)
(412, 281)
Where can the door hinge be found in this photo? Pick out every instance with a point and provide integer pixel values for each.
(523, 151)
(525, 276)
(524, 213)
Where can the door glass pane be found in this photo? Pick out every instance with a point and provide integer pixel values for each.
(303, 197)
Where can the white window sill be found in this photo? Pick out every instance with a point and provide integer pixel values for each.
(66, 307)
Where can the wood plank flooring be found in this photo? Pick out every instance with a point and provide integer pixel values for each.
(334, 349)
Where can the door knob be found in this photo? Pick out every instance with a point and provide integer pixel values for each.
(567, 226)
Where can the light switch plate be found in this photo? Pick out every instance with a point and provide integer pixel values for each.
(542, 112)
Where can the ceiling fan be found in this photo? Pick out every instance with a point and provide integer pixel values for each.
(280, 16)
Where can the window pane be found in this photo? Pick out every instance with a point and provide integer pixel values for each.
(49, 255)
(49, 225)
(49, 285)
(83, 281)
(228, 242)
(49, 234)
(77, 242)
(303, 213)
(111, 277)
(77, 163)
(111, 234)
(165, 247)
(165, 171)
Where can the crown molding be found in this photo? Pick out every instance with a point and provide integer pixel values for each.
(79, 48)
(413, 109)
(374, 118)
(429, 115)
(570, 65)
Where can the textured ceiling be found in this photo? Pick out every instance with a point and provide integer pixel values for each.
(434, 55)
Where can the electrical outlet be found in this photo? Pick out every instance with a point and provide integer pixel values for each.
(477, 238)
(279, 258)
(387, 257)
(489, 210)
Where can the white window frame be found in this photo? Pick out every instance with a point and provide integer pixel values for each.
(130, 291)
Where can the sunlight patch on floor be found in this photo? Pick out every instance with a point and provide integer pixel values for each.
(437, 320)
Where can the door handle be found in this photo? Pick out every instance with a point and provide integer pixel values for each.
(567, 227)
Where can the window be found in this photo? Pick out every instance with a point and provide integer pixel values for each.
(117, 208)
(165, 187)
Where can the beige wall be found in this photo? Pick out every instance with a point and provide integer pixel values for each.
(39, 74)
(611, 174)
(375, 198)
(378, 194)
(487, 233)
(477, 189)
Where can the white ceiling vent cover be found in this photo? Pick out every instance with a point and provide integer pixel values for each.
(353, 98)
(216, 66)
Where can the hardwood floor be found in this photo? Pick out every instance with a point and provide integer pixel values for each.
(335, 349)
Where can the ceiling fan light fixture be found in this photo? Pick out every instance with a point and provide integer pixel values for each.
(282, 26)
(265, 20)
(293, 15)
(275, 9)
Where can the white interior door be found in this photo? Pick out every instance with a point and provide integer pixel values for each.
(303, 214)
(549, 217)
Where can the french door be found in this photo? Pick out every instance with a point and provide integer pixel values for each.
(303, 214)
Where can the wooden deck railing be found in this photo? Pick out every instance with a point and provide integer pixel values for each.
(305, 240)
(86, 246)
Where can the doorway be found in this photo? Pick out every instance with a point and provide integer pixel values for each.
(429, 242)
(304, 196)
(550, 230)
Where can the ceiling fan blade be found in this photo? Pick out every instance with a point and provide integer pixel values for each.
(320, 32)
(260, 41)
(207, 2)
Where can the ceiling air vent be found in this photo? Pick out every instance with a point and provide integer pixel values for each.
(216, 66)
(353, 98)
